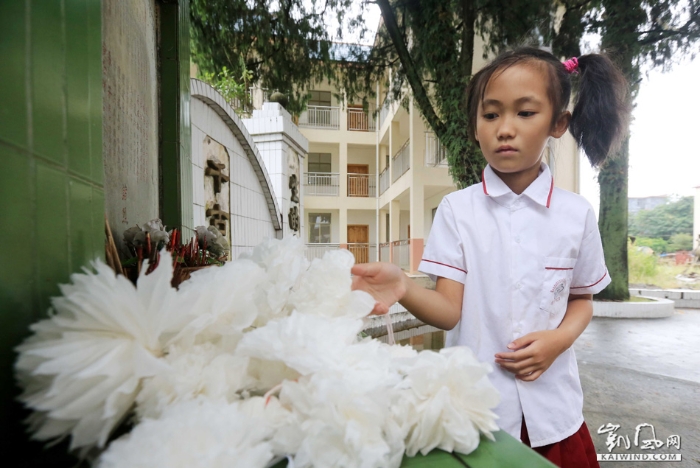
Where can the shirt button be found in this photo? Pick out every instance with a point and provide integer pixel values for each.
(517, 239)
(517, 285)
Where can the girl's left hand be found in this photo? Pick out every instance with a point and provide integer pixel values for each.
(533, 354)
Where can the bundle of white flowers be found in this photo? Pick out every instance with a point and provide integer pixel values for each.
(246, 364)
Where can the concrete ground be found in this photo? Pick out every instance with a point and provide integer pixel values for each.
(636, 371)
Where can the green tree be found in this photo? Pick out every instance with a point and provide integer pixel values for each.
(680, 241)
(656, 244)
(650, 33)
(664, 221)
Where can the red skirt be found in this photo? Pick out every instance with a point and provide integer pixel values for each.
(576, 451)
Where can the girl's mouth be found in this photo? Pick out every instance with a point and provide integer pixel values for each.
(506, 149)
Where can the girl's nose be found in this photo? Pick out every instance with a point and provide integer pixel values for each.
(506, 129)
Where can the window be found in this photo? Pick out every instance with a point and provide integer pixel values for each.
(319, 162)
(320, 98)
(319, 228)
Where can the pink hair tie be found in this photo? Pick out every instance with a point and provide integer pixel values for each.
(571, 65)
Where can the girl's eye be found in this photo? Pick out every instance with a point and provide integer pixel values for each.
(526, 113)
(490, 116)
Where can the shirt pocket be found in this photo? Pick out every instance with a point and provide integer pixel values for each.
(557, 273)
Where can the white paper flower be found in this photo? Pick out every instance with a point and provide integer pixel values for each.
(445, 401)
(334, 299)
(305, 343)
(198, 433)
(342, 424)
(227, 300)
(283, 261)
(82, 368)
(200, 371)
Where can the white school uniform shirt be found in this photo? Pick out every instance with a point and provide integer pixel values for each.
(519, 257)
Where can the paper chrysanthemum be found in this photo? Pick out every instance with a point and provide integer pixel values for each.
(247, 363)
(82, 368)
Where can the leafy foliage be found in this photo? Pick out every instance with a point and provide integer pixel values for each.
(664, 221)
(234, 91)
(656, 244)
(680, 241)
(643, 266)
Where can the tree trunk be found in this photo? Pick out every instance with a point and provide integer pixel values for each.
(613, 222)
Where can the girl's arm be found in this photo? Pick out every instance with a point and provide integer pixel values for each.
(536, 351)
(387, 283)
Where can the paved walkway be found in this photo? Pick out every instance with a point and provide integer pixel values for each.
(636, 371)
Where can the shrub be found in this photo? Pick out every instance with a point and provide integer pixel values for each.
(656, 244)
(680, 242)
(642, 266)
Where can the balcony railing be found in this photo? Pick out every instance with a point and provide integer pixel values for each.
(321, 184)
(362, 185)
(435, 152)
(384, 181)
(319, 250)
(384, 251)
(401, 254)
(363, 252)
(360, 121)
(401, 162)
(320, 117)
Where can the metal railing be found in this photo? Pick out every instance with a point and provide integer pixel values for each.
(362, 185)
(361, 121)
(320, 117)
(435, 152)
(384, 181)
(401, 162)
(363, 252)
(321, 184)
(319, 250)
(401, 255)
(384, 111)
(384, 251)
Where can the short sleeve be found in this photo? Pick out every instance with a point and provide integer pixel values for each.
(590, 273)
(444, 255)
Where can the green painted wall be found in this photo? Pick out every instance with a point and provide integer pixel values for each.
(51, 173)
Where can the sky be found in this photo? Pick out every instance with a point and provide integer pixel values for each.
(664, 157)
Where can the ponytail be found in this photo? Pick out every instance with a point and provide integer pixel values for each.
(601, 109)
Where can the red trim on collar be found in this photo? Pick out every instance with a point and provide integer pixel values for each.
(483, 181)
(551, 189)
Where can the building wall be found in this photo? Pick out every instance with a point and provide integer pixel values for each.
(250, 218)
(51, 185)
(130, 104)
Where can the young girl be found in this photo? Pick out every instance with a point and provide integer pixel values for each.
(516, 259)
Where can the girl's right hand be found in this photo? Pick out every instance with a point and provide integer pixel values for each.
(386, 282)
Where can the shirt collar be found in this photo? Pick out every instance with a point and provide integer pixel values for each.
(539, 191)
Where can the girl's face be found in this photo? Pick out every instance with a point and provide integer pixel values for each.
(514, 120)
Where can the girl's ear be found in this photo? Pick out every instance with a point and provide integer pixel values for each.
(561, 125)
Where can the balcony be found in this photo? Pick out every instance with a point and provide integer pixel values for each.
(384, 251)
(324, 184)
(363, 252)
(401, 162)
(319, 250)
(362, 185)
(435, 152)
(325, 117)
(360, 121)
(384, 181)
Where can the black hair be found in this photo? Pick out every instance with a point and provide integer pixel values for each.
(601, 108)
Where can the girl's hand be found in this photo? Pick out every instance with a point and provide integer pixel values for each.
(384, 281)
(533, 354)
